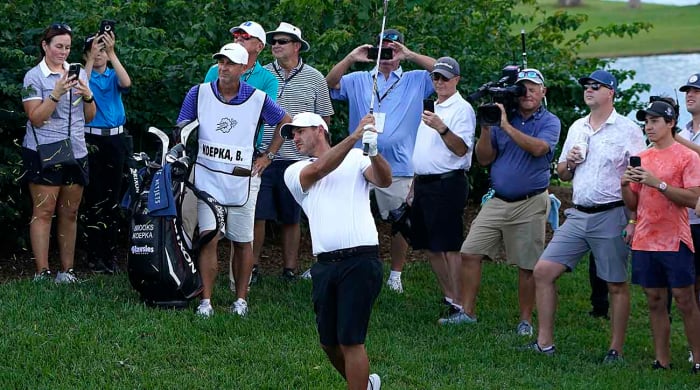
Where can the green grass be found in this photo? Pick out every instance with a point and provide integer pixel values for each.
(675, 29)
(96, 335)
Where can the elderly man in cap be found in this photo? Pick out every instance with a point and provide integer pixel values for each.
(594, 157)
(230, 112)
(519, 151)
(441, 158)
(690, 137)
(398, 105)
(302, 88)
(348, 275)
(660, 189)
(251, 36)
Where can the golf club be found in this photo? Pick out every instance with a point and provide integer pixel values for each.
(164, 141)
(365, 149)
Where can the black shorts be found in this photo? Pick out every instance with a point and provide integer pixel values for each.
(344, 291)
(695, 231)
(275, 202)
(672, 269)
(54, 176)
(436, 213)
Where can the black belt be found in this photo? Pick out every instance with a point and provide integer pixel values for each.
(439, 176)
(519, 198)
(342, 254)
(599, 207)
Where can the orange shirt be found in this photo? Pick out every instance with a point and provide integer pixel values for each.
(661, 224)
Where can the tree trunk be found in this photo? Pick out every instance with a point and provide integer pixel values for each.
(634, 3)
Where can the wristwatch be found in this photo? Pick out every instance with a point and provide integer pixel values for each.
(662, 186)
(270, 156)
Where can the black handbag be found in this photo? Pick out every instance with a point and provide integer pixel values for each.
(58, 153)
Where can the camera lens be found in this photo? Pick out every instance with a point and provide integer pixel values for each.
(489, 114)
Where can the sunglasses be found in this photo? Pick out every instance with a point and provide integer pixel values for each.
(530, 74)
(242, 35)
(391, 37)
(60, 26)
(438, 76)
(594, 86)
(282, 41)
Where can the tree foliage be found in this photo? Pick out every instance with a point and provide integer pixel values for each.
(166, 46)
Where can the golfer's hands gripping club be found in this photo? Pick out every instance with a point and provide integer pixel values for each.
(369, 139)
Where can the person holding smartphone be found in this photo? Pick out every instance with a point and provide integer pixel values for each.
(667, 182)
(107, 140)
(57, 108)
(441, 158)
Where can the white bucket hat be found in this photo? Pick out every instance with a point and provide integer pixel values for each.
(286, 28)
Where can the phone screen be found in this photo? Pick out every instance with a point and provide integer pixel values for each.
(428, 105)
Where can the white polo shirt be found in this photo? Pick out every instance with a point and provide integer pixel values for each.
(430, 154)
(688, 134)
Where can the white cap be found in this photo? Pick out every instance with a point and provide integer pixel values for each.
(303, 119)
(286, 28)
(251, 28)
(234, 52)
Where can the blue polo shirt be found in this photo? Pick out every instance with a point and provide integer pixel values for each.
(515, 172)
(258, 77)
(108, 99)
(400, 98)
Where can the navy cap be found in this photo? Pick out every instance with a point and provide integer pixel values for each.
(600, 76)
(657, 108)
(693, 82)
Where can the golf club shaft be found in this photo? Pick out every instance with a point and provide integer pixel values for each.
(365, 148)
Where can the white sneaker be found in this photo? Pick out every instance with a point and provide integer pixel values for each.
(205, 310)
(66, 277)
(240, 307)
(524, 328)
(374, 382)
(306, 275)
(395, 285)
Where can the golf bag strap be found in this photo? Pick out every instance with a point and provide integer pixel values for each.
(215, 207)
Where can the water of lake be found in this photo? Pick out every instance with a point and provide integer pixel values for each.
(665, 74)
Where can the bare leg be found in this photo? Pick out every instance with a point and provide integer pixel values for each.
(470, 282)
(208, 265)
(438, 262)
(243, 266)
(526, 294)
(258, 239)
(687, 305)
(399, 247)
(660, 324)
(454, 268)
(620, 302)
(356, 366)
(291, 234)
(43, 206)
(67, 213)
(335, 355)
(546, 273)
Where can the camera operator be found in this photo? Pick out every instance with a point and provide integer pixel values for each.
(441, 157)
(399, 101)
(593, 158)
(519, 152)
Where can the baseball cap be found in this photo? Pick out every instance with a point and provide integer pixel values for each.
(391, 35)
(234, 52)
(600, 76)
(303, 119)
(291, 30)
(693, 82)
(657, 108)
(530, 74)
(446, 66)
(251, 28)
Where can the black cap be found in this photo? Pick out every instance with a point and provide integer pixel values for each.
(391, 35)
(87, 46)
(657, 108)
(693, 82)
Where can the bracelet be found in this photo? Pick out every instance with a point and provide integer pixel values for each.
(632, 222)
(88, 99)
(444, 132)
(54, 98)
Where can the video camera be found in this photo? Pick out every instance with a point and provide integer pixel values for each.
(503, 91)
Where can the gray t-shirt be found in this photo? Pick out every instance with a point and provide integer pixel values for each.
(38, 84)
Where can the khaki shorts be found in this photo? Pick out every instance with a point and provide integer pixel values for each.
(239, 220)
(392, 197)
(519, 226)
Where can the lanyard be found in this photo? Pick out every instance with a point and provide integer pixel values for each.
(291, 75)
(374, 85)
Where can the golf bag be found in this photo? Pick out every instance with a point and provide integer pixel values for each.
(164, 237)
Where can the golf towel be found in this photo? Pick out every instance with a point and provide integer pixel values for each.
(161, 201)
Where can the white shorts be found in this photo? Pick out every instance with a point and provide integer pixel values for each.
(239, 220)
(392, 197)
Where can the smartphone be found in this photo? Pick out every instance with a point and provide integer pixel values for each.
(387, 53)
(106, 26)
(635, 161)
(429, 105)
(74, 70)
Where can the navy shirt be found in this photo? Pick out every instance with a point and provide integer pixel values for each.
(515, 172)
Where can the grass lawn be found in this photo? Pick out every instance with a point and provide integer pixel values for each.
(96, 335)
(676, 29)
